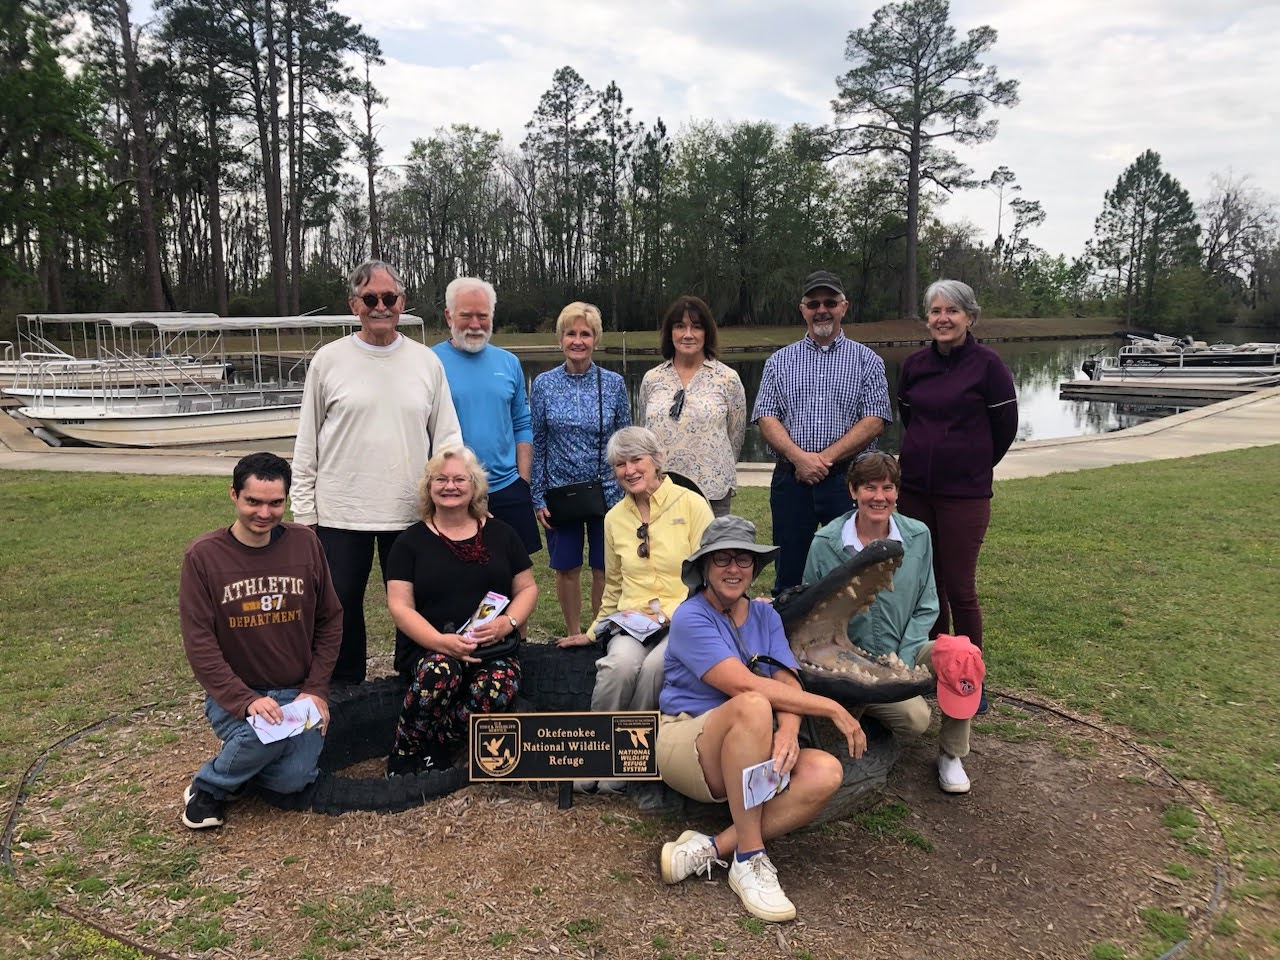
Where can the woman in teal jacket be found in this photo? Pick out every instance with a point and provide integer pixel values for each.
(898, 620)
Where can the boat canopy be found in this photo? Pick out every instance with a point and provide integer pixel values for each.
(208, 322)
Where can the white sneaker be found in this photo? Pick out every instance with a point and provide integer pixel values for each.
(693, 853)
(755, 881)
(951, 775)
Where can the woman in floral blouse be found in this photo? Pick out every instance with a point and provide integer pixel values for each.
(695, 404)
(570, 404)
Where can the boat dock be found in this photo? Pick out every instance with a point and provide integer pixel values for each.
(1252, 420)
(1163, 390)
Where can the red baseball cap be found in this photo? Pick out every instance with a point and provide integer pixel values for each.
(958, 665)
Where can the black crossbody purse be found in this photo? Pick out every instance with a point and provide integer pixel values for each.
(579, 502)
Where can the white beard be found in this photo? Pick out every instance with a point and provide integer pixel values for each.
(824, 329)
(468, 343)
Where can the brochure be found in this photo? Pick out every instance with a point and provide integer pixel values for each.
(492, 605)
(761, 783)
(636, 624)
(299, 716)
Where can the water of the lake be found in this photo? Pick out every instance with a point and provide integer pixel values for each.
(1038, 369)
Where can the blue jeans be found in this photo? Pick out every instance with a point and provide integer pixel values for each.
(285, 766)
(798, 510)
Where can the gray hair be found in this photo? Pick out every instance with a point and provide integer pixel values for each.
(956, 292)
(634, 442)
(364, 273)
(462, 284)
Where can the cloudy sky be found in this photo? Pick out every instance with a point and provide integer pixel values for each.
(1101, 80)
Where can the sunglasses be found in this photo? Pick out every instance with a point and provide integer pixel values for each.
(677, 408)
(815, 304)
(370, 300)
(737, 559)
(642, 551)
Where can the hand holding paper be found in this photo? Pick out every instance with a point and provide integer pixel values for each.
(299, 717)
(761, 782)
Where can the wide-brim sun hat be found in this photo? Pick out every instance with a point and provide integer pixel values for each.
(725, 533)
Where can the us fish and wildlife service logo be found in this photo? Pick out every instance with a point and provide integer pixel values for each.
(496, 745)
(634, 738)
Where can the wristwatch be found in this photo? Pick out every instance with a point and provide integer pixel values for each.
(515, 624)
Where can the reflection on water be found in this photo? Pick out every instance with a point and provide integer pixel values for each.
(1038, 369)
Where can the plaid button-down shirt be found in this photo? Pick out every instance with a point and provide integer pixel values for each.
(818, 393)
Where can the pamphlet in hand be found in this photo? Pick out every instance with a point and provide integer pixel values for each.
(761, 783)
(299, 717)
(636, 624)
(492, 605)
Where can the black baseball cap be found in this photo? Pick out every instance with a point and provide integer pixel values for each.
(819, 279)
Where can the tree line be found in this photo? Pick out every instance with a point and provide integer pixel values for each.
(225, 156)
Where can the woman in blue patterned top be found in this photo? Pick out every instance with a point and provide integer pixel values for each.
(576, 408)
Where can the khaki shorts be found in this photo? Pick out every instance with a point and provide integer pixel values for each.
(678, 756)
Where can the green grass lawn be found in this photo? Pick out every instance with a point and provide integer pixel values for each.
(1144, 595)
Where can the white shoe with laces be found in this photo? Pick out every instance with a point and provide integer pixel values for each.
(755, 881)
(693, 853)
(951, 775)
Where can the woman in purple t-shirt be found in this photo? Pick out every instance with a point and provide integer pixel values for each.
(719, 718)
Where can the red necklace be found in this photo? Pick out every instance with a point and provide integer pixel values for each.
(469, 550)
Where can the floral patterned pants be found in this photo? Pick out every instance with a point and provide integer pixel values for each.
(443, 694)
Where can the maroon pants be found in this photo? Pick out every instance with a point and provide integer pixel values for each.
(957, 525)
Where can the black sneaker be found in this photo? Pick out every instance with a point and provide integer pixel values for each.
(202, 810)
(405, 765)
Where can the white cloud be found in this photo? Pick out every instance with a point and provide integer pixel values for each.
(1100, 80)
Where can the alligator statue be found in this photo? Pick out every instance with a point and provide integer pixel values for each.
(816, 616)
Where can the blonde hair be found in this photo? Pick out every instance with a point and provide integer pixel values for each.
(579, 310)
(479, 505)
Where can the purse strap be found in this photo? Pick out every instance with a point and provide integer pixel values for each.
(753, 661)
(600, 432)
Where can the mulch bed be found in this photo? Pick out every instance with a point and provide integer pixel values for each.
(1058, 847)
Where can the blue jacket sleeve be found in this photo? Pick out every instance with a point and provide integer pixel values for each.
(538, 427)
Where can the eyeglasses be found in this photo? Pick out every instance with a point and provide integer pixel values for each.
(737, 559)
(677, 408)
(370, 300)
(815, 304)
(642, 551)
(456, 481)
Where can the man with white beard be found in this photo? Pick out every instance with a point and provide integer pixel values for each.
(488, 388)
(823, 400)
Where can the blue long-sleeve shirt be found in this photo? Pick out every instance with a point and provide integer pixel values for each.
(492, 405)
(568, 445)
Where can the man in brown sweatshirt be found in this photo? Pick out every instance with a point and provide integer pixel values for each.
(261, 625)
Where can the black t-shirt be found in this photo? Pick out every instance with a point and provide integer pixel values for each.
(447, 590)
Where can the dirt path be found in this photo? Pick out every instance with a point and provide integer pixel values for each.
(1061, 846)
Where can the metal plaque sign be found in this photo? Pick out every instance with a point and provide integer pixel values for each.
(564, 746)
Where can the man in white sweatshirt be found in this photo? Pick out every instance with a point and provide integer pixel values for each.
(375, 407)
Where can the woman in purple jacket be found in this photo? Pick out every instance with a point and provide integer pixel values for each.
(959, 414)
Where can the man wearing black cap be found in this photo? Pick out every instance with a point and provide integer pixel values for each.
(822, 401)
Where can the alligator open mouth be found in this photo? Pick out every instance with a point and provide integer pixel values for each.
(816, 618)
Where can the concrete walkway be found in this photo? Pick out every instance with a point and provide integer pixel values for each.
(1249, 421)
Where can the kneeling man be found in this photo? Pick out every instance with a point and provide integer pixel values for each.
(261, 625)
